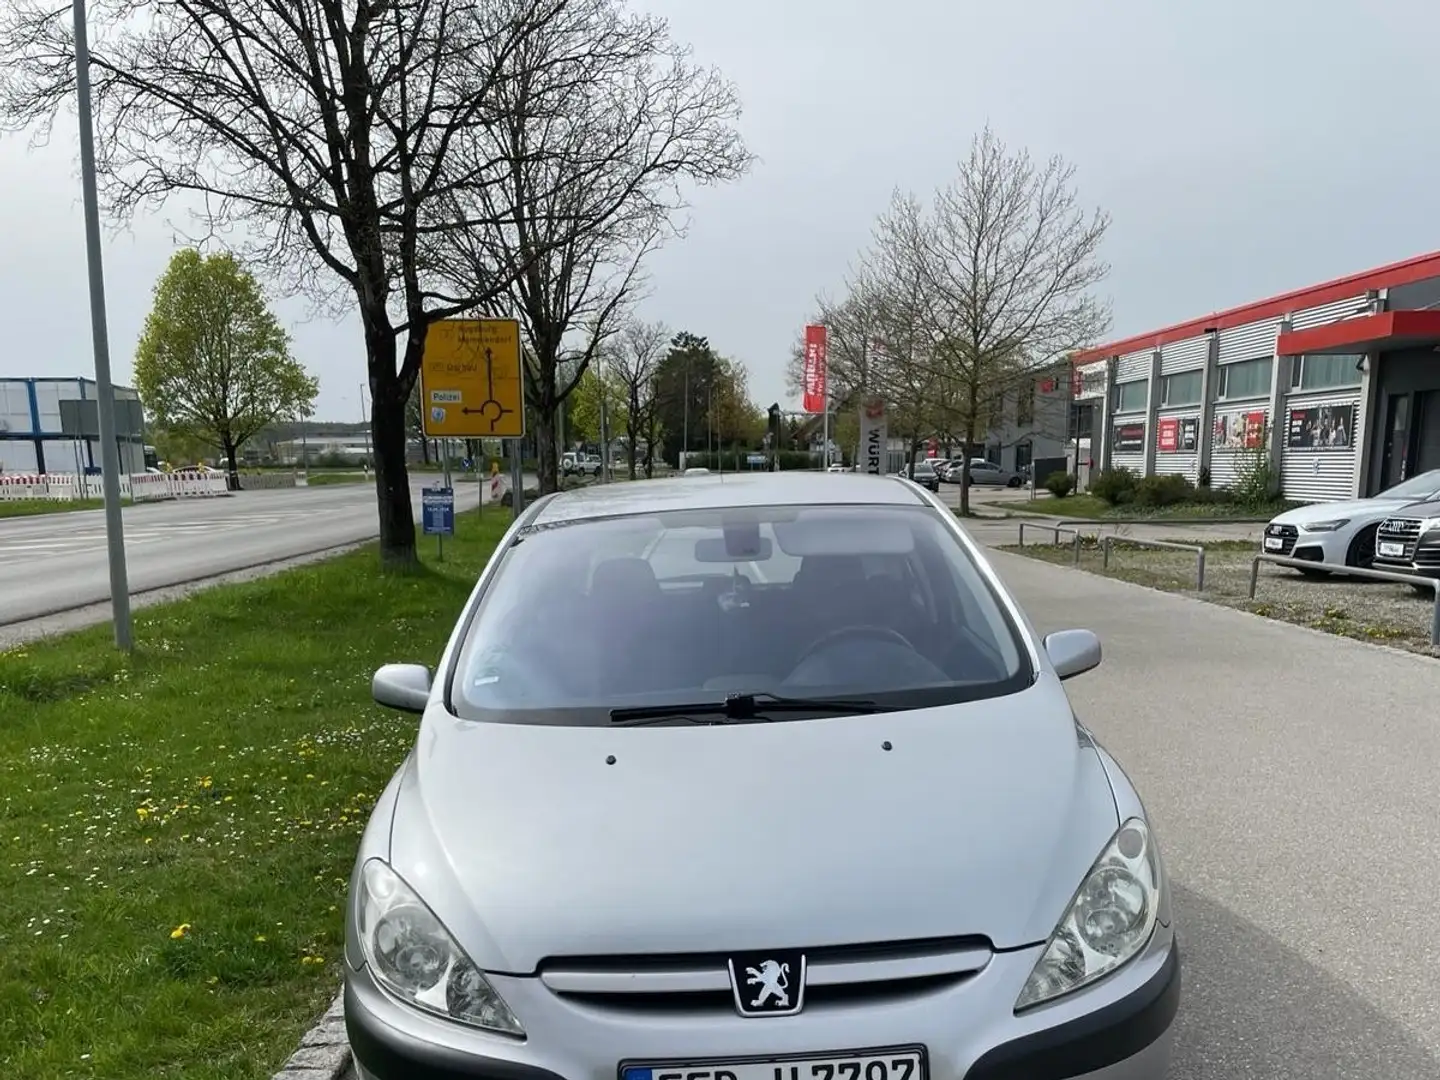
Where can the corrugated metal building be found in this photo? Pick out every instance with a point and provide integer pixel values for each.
(50, 426)
(1337, 385)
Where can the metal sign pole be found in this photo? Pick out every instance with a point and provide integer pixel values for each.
(105, 391)
(825, 452)
(445, 480)
(517, 478)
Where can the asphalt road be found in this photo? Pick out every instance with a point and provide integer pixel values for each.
(52, 562)
(1292, 777)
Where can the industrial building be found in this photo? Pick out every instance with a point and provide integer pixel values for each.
(1336, 385)
(52, 426)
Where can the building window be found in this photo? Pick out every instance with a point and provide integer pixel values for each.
(1181, 389)
(1082, 420)
(1324, 372)
(1025, 405)
(1130, 396)
(1247, 379)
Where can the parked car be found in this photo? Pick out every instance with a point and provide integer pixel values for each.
(923, 473)
(1409, 540)
(580, 465)
(1344, 533)
(985, 473)
(807, 794)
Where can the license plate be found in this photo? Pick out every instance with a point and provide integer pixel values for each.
(1274, 543)
(852, 1065)
(1391, 549)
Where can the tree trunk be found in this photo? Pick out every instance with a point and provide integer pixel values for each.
(388, 398)
(547, 461)
(232, 463)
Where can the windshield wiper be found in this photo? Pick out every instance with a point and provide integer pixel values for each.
(742, 708)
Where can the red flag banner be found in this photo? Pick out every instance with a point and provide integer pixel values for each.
(814, 369)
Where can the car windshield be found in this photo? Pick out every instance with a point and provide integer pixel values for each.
(882, 603)
(1424, 486)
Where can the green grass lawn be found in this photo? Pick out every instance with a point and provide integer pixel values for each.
(32, 507)
(177, 828)
(1091, 508)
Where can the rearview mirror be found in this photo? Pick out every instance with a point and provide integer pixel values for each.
(402, 686)
(716, 549)
(1073, 652)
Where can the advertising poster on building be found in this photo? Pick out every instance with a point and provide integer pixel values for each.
(1239, 430)
(1189, 434)
(1167, 437)
(874, 437)
(1127, 438)
(814, 369)
(1321, 427)
(1175, 434)
(1088, 381)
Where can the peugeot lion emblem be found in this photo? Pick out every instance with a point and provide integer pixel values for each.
(768, 984)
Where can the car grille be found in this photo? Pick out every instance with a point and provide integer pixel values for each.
(701, 982)
(1288, 534)
(1398, 531)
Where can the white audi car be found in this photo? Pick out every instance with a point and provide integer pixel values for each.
(1343, 533)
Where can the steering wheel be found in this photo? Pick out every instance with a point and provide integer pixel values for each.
(857, 633)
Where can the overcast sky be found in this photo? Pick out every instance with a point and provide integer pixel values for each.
(1242, 149)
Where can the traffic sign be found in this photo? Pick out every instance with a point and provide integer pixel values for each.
(471, 382)
(437, 510)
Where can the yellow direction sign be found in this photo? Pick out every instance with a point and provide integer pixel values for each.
(471, 383)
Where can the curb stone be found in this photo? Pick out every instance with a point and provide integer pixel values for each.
(324, 1052)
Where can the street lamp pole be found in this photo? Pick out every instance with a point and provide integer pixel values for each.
(104, 389)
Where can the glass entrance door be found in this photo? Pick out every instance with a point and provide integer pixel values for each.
(1397, 441)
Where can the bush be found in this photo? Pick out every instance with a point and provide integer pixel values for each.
(1168, 490)
(1059, 484)
(1114, 486)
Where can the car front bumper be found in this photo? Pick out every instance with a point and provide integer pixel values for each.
(1317, 547)
(1117, 1029)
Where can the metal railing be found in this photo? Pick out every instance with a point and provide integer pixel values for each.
(1198, 550)
(1398, 577)
(1055, 531)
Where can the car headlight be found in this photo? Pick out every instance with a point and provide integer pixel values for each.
(1109, 920)
(1324, 526)
(414, 957)
(1430, 525)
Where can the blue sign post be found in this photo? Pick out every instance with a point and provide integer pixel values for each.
(437, 514)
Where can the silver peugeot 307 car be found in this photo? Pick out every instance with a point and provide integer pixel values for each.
(804, 800)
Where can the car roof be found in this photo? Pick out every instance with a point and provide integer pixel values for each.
(719, 491)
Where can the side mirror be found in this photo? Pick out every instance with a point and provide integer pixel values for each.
(1073, 652)
(402, 686)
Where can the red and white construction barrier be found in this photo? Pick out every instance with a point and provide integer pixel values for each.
(142, 487)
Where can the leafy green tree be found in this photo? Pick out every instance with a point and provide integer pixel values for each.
(213, 362)
(593, 387)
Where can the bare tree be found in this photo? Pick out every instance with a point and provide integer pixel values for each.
(318, 135)
(1006, 261)
(608, 119)
(634, 357)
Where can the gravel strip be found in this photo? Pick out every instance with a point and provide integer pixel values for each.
(1391, 614)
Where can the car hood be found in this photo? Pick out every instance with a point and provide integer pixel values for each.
(531, 842)
(1352, 509)
(1421, 511)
